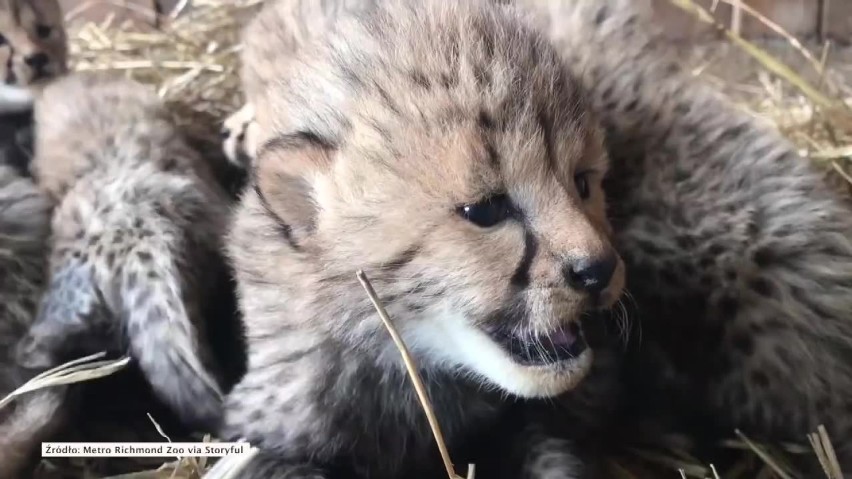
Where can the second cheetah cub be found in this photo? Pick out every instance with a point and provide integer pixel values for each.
(139, 217)
(33, 50)
(442, 147)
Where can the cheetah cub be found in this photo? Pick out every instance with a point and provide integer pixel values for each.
(442, 147)
(24, 230)
(137, 224)
(739, 255)
(33, 51)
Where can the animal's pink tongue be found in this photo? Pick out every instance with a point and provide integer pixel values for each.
(563, 337)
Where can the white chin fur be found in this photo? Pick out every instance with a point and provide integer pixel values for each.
(14, 99)
(456, 341)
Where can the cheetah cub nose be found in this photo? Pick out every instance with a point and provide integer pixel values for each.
(37, 61)
(591, 275)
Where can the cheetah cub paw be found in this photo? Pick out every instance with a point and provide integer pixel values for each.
(239, 137)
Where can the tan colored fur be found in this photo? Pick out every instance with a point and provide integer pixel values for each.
(33, 49)
(374, 131)
(136, 236)
(30, 28)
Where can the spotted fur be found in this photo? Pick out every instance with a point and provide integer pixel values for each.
(136, 237)
(739, 256)
(375, 125)
(24, 229)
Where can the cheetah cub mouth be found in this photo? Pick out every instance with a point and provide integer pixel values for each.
(565, 344)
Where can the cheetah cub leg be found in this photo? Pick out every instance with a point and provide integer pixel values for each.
(240, 137)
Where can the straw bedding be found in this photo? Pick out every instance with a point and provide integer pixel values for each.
(192, 58)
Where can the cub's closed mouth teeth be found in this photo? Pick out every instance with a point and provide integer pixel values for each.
(562, 344)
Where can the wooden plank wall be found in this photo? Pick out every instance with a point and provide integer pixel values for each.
(800, 17)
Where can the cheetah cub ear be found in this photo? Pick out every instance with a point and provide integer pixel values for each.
(285, 171)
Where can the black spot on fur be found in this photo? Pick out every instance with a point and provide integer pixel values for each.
(420, 79)
(638, 83)
(743, 343)
(485, 120)
(257, 415)
(760, 379)
(493, 156)
(608, 93)
(685, 242)
(728, 307)
(601, 15)
(706, 262)
(682, 175)
(144, 256)
(761, 287)
(764, 257)
(449, 80)
(170, 164)
(521, 276)
(731, 133)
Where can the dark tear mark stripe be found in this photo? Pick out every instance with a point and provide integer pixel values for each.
(402, 259)
(521, 277)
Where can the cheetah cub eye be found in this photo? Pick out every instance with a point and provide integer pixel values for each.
(489, 212)
(581, 182)
(43, 31)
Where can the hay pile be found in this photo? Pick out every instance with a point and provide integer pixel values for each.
(192, 58)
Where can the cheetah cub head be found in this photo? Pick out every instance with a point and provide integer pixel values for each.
(33, 48)
(447, 153)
